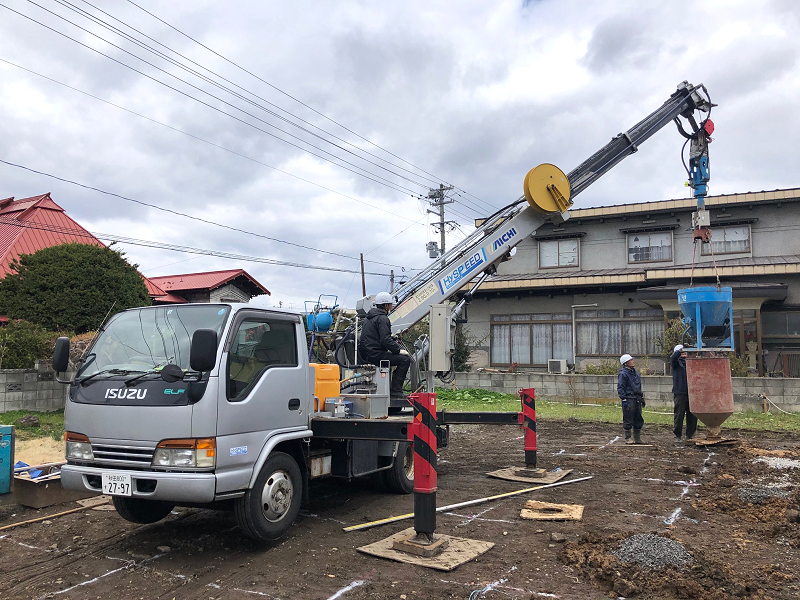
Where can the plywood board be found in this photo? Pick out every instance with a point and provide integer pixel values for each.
(512, 474)
(547, 511)
(458, 551)
(720, 442)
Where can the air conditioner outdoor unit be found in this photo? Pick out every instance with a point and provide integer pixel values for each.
(556, 365)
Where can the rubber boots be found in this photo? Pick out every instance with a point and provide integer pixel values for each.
(637, 436)
(628, 439)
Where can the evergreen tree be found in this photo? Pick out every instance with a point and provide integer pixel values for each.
(71, 287)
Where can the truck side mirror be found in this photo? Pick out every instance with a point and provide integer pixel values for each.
(203, 354)
(61, 355)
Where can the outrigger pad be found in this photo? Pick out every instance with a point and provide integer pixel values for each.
(547, 511)
(519, 474)
(716, 442)
(457, 552)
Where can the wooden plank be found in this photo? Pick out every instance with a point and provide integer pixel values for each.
(458, 551)
(513, 474)
(547, 511)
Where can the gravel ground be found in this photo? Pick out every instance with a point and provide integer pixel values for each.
(776, 462)
(652, 551)
(757, 494)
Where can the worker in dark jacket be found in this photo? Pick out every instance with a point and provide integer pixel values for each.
(375, 342)
(629, 389)
(680, 395)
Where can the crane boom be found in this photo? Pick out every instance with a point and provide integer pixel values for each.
(481, 251)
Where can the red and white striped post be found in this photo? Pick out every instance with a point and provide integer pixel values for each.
(422, 434)
(527, 419)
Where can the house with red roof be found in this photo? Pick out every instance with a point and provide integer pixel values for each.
(34, 223)
(233, 285)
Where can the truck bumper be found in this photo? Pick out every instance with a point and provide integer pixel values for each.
(171, 487)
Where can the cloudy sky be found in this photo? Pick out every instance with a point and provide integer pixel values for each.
(408, 95)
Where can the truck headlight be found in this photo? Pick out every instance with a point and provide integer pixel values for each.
(189, 452)
(78, 446)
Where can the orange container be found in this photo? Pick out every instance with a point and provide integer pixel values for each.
(326, 383)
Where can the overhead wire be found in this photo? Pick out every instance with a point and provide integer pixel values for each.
(272, 104)
(469, 207)
(206, 141)
(187, 215)
(276, 88)
(148, 48)
(172, 247)
(367, 174)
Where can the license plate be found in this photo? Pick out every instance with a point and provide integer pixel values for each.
(117, 484)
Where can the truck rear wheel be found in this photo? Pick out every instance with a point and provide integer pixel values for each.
(137, 510)
(400, 478)
(269, 509)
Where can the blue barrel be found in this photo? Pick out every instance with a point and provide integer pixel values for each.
(6, 458)
(708, 310)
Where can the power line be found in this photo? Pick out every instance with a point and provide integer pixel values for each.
(158, 53)
(276, 88)
(186, 215)
(294, 116)
(172, 247)
(366, 174)
(206, 141)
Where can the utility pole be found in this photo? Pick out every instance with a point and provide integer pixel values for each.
(363, 281)
(391, 281)
(437, 199)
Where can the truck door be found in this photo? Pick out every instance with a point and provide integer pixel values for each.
(265, 380)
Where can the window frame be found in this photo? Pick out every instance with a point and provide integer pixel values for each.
(620, 320)
(509, 321)
(648, 234)
(259, 317)
(577, 241)
(705, 249)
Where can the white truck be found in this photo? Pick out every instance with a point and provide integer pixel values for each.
(215, 404)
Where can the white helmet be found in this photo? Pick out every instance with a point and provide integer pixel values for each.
(383, 298)
(625, 358)
(677, 348)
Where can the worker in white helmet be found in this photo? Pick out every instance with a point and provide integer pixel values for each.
(375, 342)
(629, 389)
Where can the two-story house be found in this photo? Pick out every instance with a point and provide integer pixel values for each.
(605, 282)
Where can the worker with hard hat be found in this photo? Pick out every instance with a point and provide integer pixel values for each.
(680, 396)
(629, 389)
(375, 342)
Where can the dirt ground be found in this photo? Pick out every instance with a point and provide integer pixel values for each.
(691, 495)
(39, 451)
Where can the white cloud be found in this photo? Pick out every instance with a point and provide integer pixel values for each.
(476, 93)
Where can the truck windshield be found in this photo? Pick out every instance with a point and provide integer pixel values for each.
(149, 338)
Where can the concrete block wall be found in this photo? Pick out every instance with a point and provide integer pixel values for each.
(602, 389)
(31, 389)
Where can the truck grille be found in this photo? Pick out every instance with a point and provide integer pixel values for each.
(120, 457)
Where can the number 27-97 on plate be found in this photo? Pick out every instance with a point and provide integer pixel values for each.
(117, 484)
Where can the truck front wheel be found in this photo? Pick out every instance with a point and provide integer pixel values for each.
(268, 510)
(141, 511)
(400, 478)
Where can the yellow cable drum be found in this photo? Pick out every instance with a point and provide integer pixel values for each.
(547, 189)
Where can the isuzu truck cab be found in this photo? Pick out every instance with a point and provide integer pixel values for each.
(208, 405)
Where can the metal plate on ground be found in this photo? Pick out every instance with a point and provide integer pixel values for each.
(547, 511)
(517, 474)
(458, 551)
